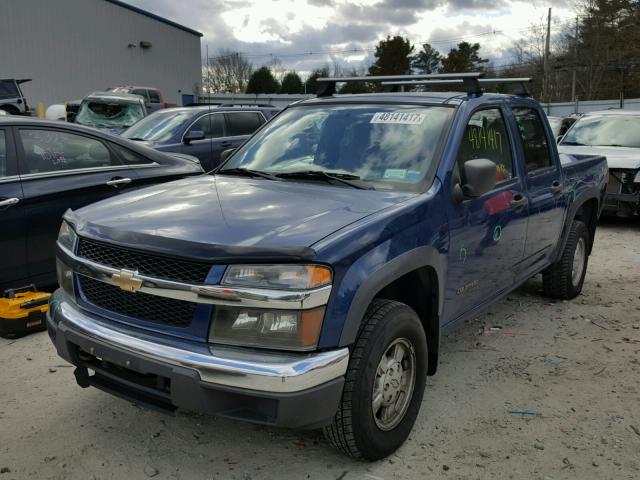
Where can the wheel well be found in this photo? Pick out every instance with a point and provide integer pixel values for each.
(419, 290)
(10, 109)
(588, 213)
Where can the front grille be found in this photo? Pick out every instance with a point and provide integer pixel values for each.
(145, 263)
(151, 308)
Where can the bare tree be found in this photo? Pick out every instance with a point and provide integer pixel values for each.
(277, 68)
(227, 72)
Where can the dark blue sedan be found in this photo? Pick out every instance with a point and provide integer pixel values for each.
(202, 131)
(48, 167)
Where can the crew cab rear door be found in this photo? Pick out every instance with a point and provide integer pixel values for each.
(487, 233)
(544, 182)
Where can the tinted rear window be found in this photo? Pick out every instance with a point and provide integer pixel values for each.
(8, 89)
(243, 123)
(154, 96)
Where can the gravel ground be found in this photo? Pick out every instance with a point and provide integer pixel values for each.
(573, 365)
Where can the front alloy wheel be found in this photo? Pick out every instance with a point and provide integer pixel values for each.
(393, 387)
(384, 383)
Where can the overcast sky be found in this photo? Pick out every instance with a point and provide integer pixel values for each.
(347, 31)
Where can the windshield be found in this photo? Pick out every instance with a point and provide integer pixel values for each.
(158, 127)
(605, 131)
(391, 147)
(109, 114)
(8, 89)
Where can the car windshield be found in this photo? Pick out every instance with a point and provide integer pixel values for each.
(390, 147)
(605, 131)
(158, 127)
(109, 114)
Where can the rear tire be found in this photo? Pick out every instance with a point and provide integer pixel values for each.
(384, 383)
(564, 279)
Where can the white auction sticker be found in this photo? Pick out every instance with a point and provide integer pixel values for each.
(398, 118)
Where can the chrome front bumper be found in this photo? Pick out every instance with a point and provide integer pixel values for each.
(254, 370)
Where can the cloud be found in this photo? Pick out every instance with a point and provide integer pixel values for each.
(346, 31)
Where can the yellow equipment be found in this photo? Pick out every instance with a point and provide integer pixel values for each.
(22, 311)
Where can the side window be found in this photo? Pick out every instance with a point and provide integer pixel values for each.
(142, 93)
(3, 154)
(243, 123)
(153, 96)
(52, 151)
(8, 89)
(533, 138)
(131, 158)
(486, 137)
(212, 125)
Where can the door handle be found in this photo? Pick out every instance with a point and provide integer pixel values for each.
(225, 144)
(518, 202)
(556, 187)
(9, 202)
(117, 182)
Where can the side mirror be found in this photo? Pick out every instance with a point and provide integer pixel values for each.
(192, 136)
(480, 178)
(226, 154)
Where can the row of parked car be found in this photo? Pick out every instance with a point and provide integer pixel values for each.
(111, 145)
(47, 167)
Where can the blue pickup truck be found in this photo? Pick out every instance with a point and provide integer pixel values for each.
(308, 281)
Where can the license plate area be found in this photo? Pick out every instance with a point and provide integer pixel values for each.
(146, 389)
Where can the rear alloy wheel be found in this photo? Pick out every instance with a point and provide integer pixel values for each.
(564, 279)
(384, 383)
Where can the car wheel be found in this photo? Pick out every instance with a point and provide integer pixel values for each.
(384, 383)
(564, 279)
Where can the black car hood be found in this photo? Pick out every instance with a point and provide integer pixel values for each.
(225, 216)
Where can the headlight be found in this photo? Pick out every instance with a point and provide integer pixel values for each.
(277, 329)
(637, 177)
(67, 236)
(278, 277)
(65, 278)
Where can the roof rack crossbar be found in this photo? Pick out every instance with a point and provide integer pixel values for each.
(470, 81)
(521, 82)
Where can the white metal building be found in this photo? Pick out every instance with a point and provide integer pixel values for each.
(70, 48)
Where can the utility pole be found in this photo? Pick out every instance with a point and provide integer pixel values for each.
(575, 64)
(547, 48)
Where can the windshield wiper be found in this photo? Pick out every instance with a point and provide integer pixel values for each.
(137, 139)
(343, 178)
(247, 172)
(573, 144)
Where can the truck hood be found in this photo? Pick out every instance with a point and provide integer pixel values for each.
(617, 157)
(207, 215)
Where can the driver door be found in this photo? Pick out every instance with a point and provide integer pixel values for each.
(487, 233)
(214, 143)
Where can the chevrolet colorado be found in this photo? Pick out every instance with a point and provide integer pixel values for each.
(307, 282)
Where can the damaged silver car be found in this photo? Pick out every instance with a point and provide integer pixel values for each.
(614, 134)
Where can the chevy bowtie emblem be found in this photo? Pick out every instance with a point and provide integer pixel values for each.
(126, 280)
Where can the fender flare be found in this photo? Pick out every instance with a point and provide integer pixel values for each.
(579, 201)
(425, 256)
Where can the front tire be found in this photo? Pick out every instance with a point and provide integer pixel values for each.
(565, 278)
(384, 383)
